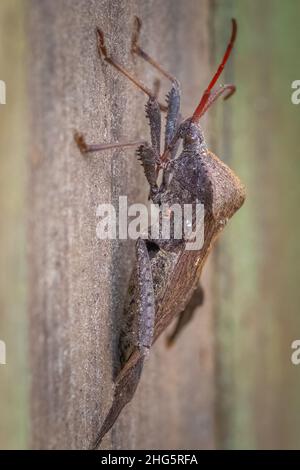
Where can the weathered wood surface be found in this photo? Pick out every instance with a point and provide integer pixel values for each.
(78, 283)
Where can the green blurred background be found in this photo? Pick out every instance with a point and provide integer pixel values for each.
(257, 259)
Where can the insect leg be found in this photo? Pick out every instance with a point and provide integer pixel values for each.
(148, 159)
(173, 97)
(136, 49)
(154, 115)
(156, 87)
(146, 154)
(125, 387)
(172, 132)
(146, 298)
(228, 89)
(185, 317)
(104, 54)
(207, 93)
(129, 376)
(173, 116)
(87, 148)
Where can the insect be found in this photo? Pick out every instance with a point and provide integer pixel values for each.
(165, 280)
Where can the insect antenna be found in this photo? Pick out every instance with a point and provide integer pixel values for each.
(207, 98)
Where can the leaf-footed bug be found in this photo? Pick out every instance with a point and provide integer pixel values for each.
(165, 279)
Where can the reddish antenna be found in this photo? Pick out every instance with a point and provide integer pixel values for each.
(204, 105)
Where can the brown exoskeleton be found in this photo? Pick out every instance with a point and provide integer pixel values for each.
(165, 280)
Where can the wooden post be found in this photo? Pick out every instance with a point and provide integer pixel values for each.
(78, 283)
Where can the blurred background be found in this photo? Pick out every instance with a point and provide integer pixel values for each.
(256, 265)
(258, 308)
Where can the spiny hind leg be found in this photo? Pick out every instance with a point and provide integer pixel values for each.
(173, 121)
(186, 316)
(129, 376)
(148, 155)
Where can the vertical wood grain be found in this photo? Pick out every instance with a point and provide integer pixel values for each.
(78, 283)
